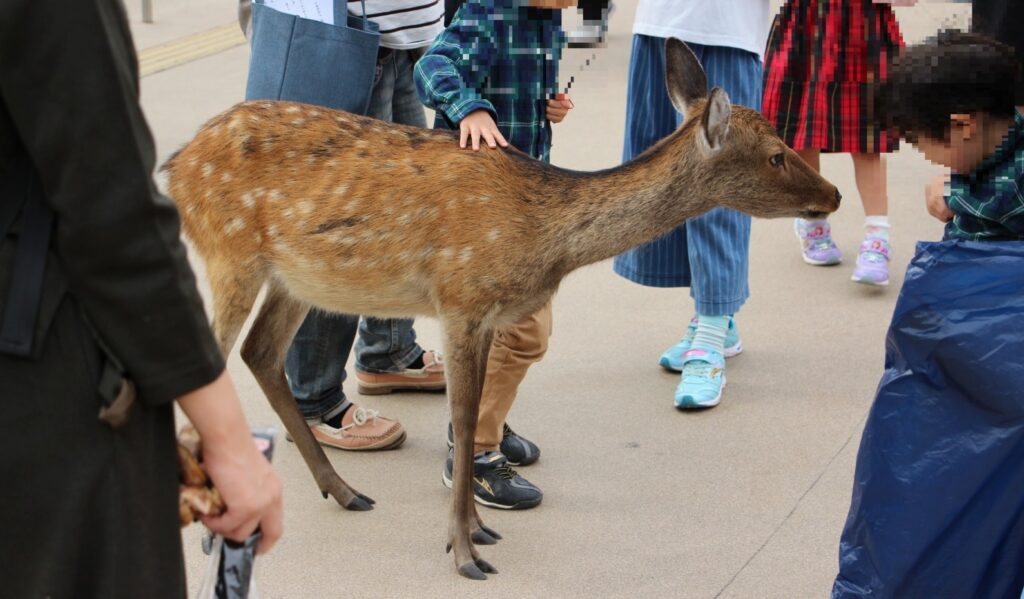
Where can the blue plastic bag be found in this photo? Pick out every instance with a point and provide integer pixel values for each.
(938, 496)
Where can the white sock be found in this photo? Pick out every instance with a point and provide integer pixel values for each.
(877, 226)
(711, 333)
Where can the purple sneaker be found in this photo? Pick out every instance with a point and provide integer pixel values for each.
(816, 242)
(873, 262)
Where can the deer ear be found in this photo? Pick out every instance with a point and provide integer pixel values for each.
(715, 122)
(684, 77)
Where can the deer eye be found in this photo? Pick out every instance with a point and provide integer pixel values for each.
(778, 159)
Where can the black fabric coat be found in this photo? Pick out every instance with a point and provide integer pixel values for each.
(86, 510)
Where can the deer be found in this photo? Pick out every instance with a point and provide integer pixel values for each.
(339, 212)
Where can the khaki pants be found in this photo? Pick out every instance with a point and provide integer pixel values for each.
(513, 350)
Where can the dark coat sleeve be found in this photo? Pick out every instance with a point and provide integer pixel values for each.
(69, 79)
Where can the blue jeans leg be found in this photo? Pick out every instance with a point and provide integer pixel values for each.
(389, 345)
(315, 363)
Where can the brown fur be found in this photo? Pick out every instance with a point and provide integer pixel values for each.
(354, 215)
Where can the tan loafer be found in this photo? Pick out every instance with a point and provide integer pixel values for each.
(428, 378)
(361, 430)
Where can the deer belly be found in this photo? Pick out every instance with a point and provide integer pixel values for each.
(357, 291)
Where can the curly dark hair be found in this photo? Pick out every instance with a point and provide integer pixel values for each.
(955, 72)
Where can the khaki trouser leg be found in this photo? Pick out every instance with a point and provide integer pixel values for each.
(513, 350)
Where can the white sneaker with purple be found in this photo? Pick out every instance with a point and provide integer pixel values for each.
(873, 262)
(816, 242)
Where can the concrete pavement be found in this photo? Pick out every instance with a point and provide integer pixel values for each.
(746, 500)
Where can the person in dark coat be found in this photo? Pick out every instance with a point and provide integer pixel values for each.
(90, 509)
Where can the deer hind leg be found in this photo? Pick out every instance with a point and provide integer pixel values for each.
(264, 351)
(466, 357)
(234, 292)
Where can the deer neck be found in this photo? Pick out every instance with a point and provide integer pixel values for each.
(611, 211)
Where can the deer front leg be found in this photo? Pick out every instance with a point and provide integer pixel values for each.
(465, 382)
(263, 351)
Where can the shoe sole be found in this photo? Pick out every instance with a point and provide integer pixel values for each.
(382, 446)
(729, 352)
(522, 505)
(884, 283)
(717, 400)
(387, 388)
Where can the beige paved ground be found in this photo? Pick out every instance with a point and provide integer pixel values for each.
(746, 500)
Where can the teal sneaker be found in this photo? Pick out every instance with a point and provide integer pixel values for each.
(672, 359)
(702, 381)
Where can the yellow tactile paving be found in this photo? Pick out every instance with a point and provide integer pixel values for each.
(186, 49)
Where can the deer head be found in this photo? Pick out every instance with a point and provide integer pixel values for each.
(741, 161)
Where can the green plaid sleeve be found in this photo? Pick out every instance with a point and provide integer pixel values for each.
(452, 72)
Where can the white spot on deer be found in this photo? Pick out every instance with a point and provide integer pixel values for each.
(226, 177)
(465, 254)
(493, 235)
(235, 123)
(276, 195)
(258, 192)
(314, 113)
(486, 197)
(310, 160)
(305, 207)
(426, 252)
(258, 238)
(272, 231)
(292, 109)
(299, 122)
(291, 154)
(234, 225)
(331, 164)
(247, 200)
(404, 256)
(281, 247)
(288, 212)
(362, 143)
(404, 219)
(341, 189)
(254, 118)
(352, 205)
(268, 144)
(447, 253)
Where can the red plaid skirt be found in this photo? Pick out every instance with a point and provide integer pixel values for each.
(823, 62)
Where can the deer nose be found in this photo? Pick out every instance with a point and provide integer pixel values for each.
(839, 198)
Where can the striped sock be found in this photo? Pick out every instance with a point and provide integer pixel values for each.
(711, 333)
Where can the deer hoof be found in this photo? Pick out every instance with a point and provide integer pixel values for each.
(490, 531)
(360, 503)
(475, 570)
(481, 537)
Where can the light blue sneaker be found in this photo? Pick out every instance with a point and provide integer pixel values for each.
(672, 359)
(702, 381)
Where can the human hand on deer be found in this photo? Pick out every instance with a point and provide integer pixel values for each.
(935, 198)
(477, 124)
(559, 107)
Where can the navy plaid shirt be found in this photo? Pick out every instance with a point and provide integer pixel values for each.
(500, 56)
(988, 204)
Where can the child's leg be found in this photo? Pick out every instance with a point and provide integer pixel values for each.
(873, 262)
(869, 171)
(513, 351)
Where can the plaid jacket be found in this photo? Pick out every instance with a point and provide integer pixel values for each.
(500, 56)
(988, 204)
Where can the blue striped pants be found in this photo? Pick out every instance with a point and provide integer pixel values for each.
(708, 254)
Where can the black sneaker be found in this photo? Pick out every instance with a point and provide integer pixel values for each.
(495, 483)
(520, 451)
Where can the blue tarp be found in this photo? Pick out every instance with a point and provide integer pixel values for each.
(938, 495)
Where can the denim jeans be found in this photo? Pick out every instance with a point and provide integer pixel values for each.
(315, 363)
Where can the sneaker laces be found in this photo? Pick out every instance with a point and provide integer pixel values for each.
(505, 471)
(699, 368)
